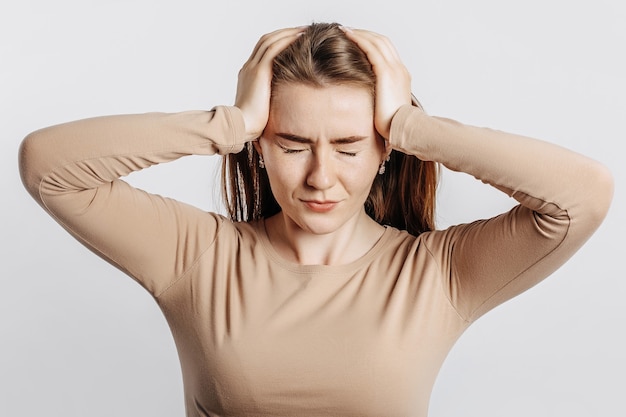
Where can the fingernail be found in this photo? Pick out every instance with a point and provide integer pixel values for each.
(346, 29)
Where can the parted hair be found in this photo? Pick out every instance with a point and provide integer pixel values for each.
(402, 197)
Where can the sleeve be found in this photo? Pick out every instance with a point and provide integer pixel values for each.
(73, 171)
(563, 198)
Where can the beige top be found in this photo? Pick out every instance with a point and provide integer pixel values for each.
(260, 336)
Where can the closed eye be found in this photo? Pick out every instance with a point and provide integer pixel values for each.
(290, 150)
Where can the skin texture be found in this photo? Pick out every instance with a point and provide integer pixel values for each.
(321, 172)
(305, 176)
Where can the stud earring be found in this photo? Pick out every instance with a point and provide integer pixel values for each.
(261, 162)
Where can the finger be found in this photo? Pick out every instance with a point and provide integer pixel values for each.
(378, 48)
(263, 39)
(273, 43)
(381, 53)
(392, 78)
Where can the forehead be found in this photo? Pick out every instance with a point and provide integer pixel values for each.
(299, 108)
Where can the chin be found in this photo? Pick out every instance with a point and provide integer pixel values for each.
(318, 229)
(319, 226)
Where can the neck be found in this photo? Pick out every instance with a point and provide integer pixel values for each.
(342, 246)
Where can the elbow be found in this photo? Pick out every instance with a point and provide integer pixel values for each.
(600, 191)
(31, 163)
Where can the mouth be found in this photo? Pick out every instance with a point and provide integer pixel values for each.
(320, 206)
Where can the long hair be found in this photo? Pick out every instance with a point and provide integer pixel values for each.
(402, 197)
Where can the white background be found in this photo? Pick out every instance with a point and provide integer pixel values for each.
(79, 338)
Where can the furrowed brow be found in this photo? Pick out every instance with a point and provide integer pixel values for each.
(294, 138)
(337, 141)
(347, 140)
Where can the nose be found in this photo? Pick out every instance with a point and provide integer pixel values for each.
(322, 174)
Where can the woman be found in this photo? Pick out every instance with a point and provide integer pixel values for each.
(327, 292)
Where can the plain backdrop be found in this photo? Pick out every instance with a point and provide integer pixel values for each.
(79, 338)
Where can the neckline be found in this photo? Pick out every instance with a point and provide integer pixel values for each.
(261, 232)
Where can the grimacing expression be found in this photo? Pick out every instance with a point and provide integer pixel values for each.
(321, 153)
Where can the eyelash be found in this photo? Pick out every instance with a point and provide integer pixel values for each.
(292, 151)
(287, 150)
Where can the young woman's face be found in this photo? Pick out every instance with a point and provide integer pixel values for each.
(321, 154)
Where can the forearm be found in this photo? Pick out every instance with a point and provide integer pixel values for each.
(564, 197)
(542, 176)
(87, 153)
(72, 170)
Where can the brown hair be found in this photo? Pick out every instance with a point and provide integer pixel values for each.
(403, 197)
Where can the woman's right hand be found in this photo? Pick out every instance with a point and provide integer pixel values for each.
(255, 79)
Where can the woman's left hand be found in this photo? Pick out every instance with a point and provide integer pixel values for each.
(393, 81)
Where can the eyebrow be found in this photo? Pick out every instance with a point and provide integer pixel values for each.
(336, 141)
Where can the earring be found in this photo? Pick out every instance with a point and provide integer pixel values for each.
(381, 168)
(261, 162)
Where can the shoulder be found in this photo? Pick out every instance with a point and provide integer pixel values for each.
(436, 245)
(235, 234)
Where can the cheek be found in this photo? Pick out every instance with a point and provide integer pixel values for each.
(358, 177)
(369, 175)
(283, 173)
(365, 180)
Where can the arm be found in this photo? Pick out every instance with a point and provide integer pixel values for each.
(72, 170)
(563, 198)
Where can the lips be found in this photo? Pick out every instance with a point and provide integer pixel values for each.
(320, 206)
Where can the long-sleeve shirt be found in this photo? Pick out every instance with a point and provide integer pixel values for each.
(258, 335)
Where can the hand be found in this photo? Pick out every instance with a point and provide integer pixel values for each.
(255, 79)
(393, 81)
